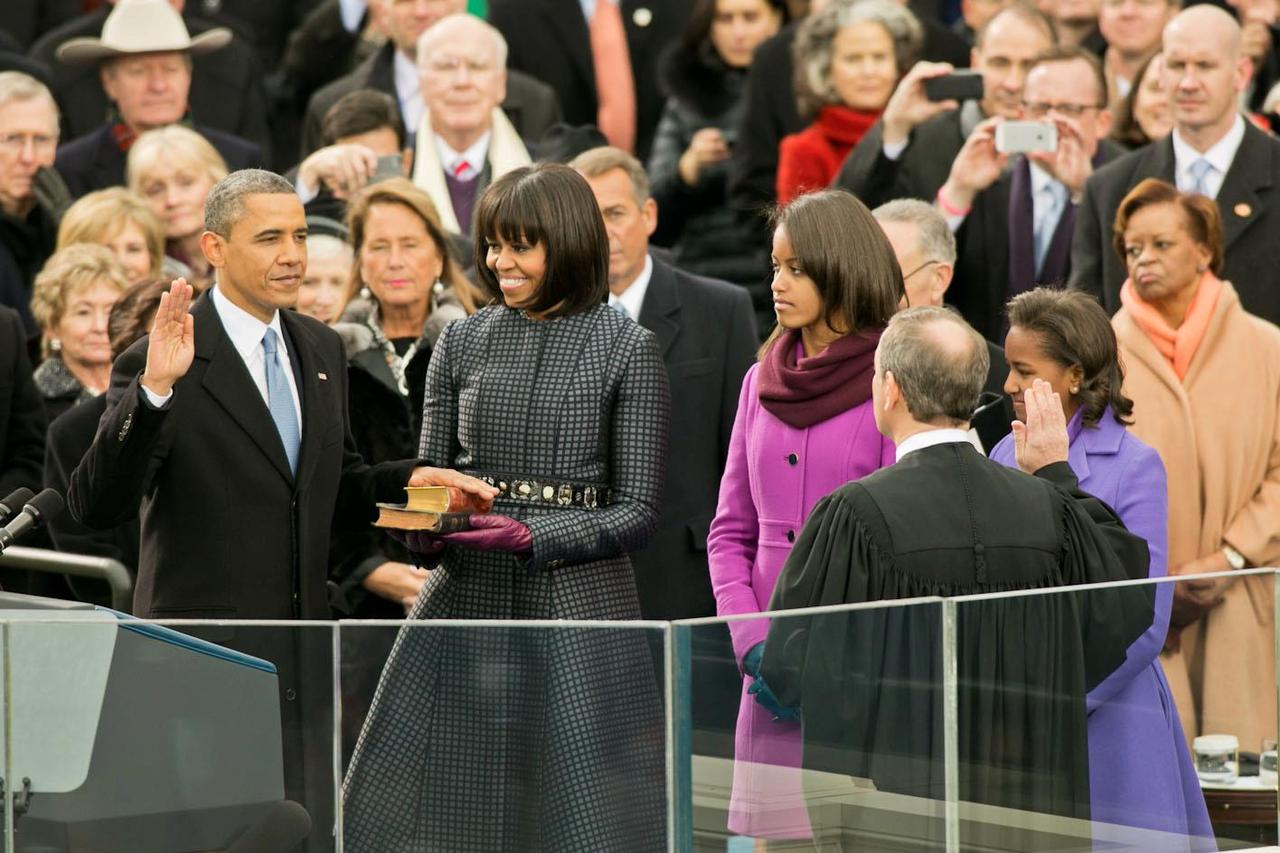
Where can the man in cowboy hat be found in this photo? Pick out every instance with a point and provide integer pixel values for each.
(144, 60)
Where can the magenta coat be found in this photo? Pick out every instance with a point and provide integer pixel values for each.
(774, 475)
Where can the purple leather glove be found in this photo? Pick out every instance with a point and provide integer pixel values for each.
(417, 541)
(492, 533)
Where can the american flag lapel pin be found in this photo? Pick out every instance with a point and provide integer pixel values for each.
(324, 377)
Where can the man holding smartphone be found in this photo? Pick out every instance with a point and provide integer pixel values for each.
(908, 153)
(1014, 225)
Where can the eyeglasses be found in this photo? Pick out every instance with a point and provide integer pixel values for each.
(918, 269)
(1040, 109)
(14, 143)
(450, 66)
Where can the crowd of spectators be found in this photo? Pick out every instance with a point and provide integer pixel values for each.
(739, 152)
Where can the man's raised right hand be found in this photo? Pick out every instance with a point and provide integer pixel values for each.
(172, 345)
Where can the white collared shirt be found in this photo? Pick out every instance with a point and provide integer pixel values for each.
(589, 9)
(352, 13)
(408, 91)
(246, 332)
(632, 298)
(1220, 155)
(475, 156)
(931, 437)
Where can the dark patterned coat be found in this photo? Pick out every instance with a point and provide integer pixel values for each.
(533, 738)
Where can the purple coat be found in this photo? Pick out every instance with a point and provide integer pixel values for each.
(1140, 770)
(774, 475)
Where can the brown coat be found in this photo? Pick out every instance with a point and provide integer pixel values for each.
(1218, 432)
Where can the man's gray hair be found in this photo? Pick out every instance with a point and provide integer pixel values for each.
(596, 161)
(429, 35)
(16, 86)
(225, 202)
(935, 240)
(940, 381)
(814, 45)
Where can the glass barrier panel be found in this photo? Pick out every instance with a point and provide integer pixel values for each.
(146, 736)
(1125, 717)
(504, 736)
(829, 736)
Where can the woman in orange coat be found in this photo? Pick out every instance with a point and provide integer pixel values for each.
(1204, 377)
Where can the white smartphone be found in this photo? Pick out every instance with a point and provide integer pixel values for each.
(1021, 137)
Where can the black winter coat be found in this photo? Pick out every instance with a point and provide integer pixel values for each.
(696, 221)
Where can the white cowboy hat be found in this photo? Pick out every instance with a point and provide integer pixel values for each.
(142, 26)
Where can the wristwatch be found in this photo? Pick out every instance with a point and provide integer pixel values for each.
(1235, 559)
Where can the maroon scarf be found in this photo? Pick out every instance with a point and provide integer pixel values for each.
(803, 391)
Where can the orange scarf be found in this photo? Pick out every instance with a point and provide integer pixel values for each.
(1178, 345)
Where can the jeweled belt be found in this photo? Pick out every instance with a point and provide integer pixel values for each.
(555, 493)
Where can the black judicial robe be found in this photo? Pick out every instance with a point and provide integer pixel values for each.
(946, 521)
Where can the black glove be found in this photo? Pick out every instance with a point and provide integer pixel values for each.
(51, 192)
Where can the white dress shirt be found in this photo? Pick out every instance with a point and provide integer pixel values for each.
(352, 13)
(1220, 155)
(246, 332)
(476, 155)
(589, 9)
(633, 297)
(931, 437)
(408, 91)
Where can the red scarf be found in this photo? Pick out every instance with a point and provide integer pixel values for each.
(802, 391)
(844, 126)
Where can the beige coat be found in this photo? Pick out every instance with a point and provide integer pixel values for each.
(1218, 432)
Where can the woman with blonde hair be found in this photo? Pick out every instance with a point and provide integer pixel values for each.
(121, 221)
(172, 169)
(71, 301)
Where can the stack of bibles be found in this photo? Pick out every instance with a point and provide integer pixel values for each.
(433, 509)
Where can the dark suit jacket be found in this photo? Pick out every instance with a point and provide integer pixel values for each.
(1249, 202)
(919, 172)
(531, 105)
(95, 161)
(770, 114)
(320, 50)
(227, 530)
(226, 85)
(707, 333)
(992, 268)
(70, 436)
(22, 421)
(549, 39)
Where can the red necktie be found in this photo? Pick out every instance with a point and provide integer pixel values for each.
(461, 170)
(615, 87)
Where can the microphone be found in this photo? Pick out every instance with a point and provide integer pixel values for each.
(986, 400)
(36, 511)
(14, 502)
(281, 829)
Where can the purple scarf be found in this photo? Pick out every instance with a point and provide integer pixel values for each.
(803, 391)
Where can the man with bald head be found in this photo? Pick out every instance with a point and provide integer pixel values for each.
(945, 520)
(1212, 150)
(531, 105)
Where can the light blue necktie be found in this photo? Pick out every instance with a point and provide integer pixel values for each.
(280, 400)
(1052, 212)
(1199, 171)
